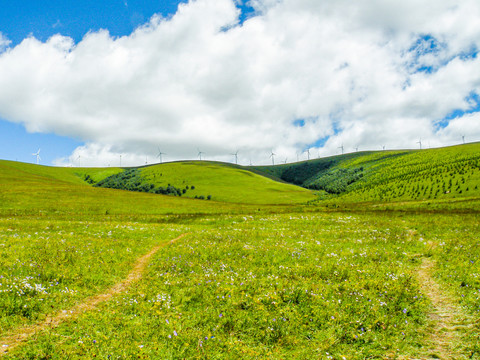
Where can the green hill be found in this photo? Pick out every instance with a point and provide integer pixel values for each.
(383, 176)
(451, 172)
(208, 181)
(27, 189)
(42, 190)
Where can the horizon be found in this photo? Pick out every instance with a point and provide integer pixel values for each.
(280, 163)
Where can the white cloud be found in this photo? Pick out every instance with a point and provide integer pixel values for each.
(4, 43)
(199, 80)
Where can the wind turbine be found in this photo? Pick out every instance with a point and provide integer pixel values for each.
(272, 155)
(37, 154)
(308, 154)
(341, 147)
(200, 154)
(236, 157)
(383, 146)
(120, 160)
(356, 149)
(463, 138)
(419, 142)
(297, 156)
(160, 153)
(286, 160)
(78, 159)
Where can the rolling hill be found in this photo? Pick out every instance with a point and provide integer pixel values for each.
(443, 173)
(201, 186)
(41, 190)
(208, 180)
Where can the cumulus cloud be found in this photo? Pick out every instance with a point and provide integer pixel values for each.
(299, 74)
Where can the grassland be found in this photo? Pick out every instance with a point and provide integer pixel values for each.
(446, 173)
(220, 182)
(266, 280)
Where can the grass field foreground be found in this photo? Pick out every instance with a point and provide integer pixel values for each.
(282, 286)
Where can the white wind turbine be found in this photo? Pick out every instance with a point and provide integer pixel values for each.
(37, 154)
(200, 153)
(272, 155)
(160, 153)
(236, 156)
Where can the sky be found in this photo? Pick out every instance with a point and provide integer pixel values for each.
(96, 83)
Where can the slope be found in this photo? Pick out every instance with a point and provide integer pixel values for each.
(210, 181)
(443, 173)
(27, 189)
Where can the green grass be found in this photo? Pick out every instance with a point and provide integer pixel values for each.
(279, 287)
(222, 182)
(47, 266)
(445, 173)
(259, 276)
(43, 191)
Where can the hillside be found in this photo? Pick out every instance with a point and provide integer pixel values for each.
(49, 191)
(382, 176)
(208, 181)
(444, 173)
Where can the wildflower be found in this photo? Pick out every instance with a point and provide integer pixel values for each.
(221, 315)
(404, 311)
(175, 333)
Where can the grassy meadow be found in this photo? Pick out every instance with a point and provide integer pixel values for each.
(296, 275)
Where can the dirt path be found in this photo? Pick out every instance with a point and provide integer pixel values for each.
(12, 341)
(446, 317)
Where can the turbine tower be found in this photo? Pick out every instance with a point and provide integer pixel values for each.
(200, 154)
(463, 138)
(341, 147)
(37, 154)
(272, 155)
(160, 153)
(236, 157)
(308, 153)
(120, 160)
(356, 149)
(419, 142)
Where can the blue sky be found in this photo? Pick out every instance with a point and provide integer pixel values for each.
(19, 20)
(227, 75)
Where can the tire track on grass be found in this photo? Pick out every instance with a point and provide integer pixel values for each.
(446, 318)
(14, 340)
